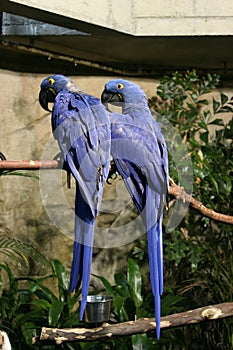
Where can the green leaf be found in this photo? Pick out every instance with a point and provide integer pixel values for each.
(217, 121)
(120, 279)
(169, 303)
(130, 308)
(224, 98)
(106, 284)
(19, 251)
(45, 293)
(135, 281)
(140, 341)
(195, 256)
(28, 330)
(228, 185)
(203, 102)
(202, 124)
(42, 304)
(204, 136)
(194, 143)
(12, 281)
(63, 280)
(55, 311)
(138, 253)
(225, 109)
(214, 183)
(118, 302)
(216, 106)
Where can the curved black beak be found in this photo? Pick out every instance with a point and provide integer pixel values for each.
(110, 97)
(45, 97)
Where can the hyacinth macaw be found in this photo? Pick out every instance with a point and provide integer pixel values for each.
(81, 126)
(140, 154)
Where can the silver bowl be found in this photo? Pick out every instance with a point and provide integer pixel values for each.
(98, 308)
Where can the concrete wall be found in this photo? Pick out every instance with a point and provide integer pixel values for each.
(150, 17)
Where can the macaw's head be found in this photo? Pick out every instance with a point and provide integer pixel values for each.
(120, 90)
(50, 87)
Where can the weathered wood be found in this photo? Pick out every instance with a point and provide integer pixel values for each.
(4, 341)
(143, 325)
(179, 193)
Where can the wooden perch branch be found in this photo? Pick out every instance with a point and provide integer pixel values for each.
(29, 164)
(174, 190)
(143, 325)
(179, 193)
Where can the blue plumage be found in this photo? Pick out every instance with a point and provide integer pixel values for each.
(81, 127)
(140, 154)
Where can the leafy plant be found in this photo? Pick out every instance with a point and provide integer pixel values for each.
(27, 305)
(198, 253)
(131, 303)
(20, 253)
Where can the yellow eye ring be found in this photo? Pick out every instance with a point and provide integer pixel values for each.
(120, 86)
(51, 81)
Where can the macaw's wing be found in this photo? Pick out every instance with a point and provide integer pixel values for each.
(81, 126)
(134, 181)
(163, 149)
(138, 155)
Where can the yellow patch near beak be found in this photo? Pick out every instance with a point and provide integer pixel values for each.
(119, 95)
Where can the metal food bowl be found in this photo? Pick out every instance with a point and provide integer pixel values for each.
(98, 308)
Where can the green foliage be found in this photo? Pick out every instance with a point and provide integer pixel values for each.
(20, 253)
(27, 305)
(126, 293)
(198, 253)
(131, 302)
(19, 173)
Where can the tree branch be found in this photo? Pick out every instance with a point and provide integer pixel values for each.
(174, 190)
(143, 325)
(29, 164)
(179, 193)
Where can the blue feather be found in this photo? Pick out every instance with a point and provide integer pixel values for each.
(140, 154)
(81, 126)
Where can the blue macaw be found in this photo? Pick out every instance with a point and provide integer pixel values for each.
(140, 154)
(81, 126)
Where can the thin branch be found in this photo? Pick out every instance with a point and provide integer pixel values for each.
(29, 164)
(174, 190)
(143, 325)
(179, 193)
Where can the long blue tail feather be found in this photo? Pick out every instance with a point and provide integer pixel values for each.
(81, 264)
(154, 236)
(83, 248)
(160, 253)
(77, 266)
(87, 259)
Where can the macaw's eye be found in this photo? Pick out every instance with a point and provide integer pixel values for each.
(51, 81)
(120, 86)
